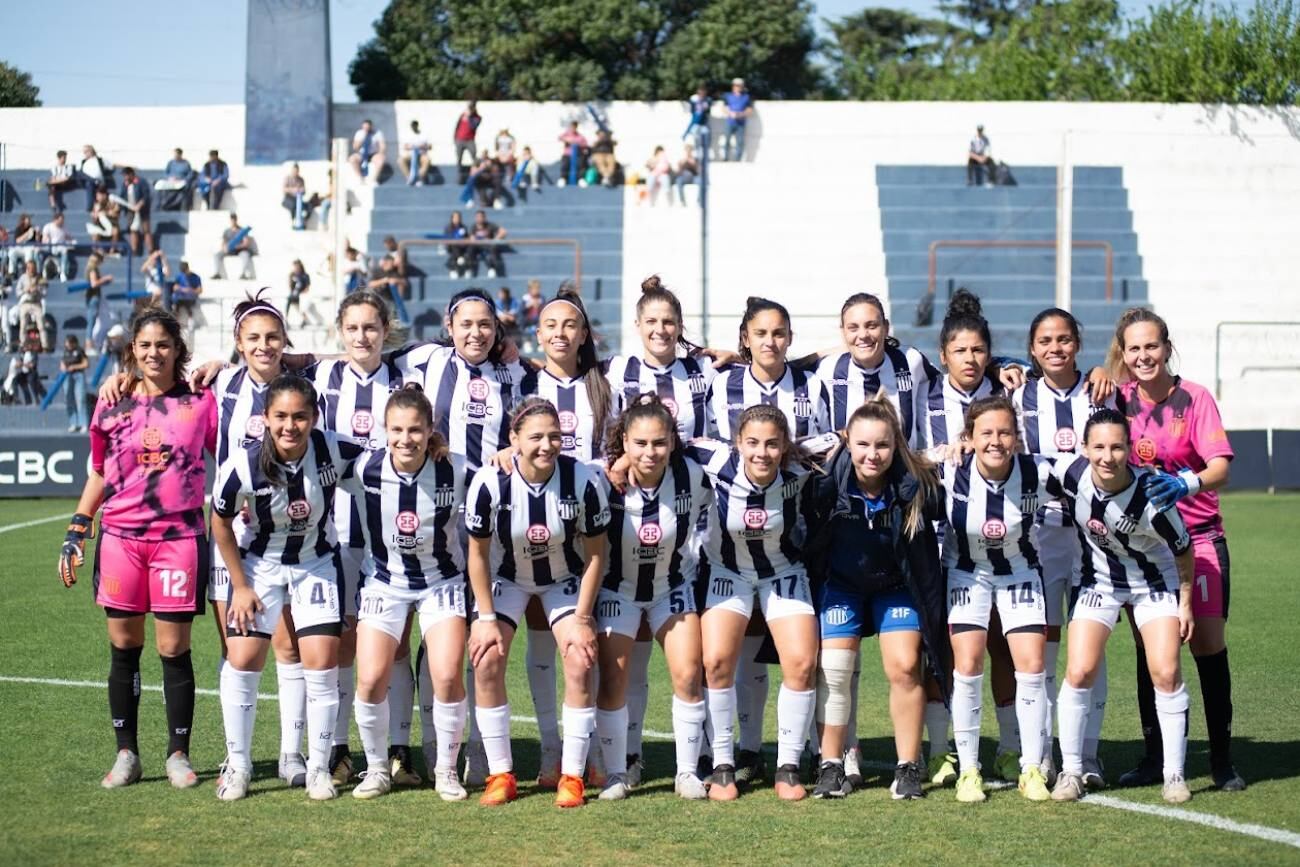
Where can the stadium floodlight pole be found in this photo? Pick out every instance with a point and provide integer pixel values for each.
(704, 238)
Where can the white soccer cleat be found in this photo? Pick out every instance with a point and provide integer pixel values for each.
(690, 787)
(1069, 787)
(372, 785)
(232, 784)
(616, 788)
(320, 787)
(448, 786)
(476, 765)
(125, 771)
(293, 769)
(180, 773)
(1175, 790)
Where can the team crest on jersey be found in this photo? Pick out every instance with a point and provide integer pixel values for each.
(362, 422)
(790, 489)
(1096, 527)
(1066, 439)
(478, 389)
(1146, 449)
(568, 422)
(328, 475)
(994, 530)
(802, 406)
(255, 426)
(670, 404)
(650, 534)
(697, 383)
(1124, 524)
(151, 438)
(904, 379)
(502, 374)
(444, 497)
(568, 510)
(682, 504)
(1029, 504)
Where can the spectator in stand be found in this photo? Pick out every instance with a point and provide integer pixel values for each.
(740, 107)
(979, 168)
(327, 202)
(235, 241)
(23, 240)
(688, 170)
(457, 254)
(698, 129)
(62, 178)
(481, 181)
(56, 244)
(508, 312)
(602, 156)
(185, 298)
(368, 153)
(295, 198)
(97, 280)
(385, 280)
(659, 176)
(102, 228)
(179, 168)
(24, 379)
(214, 180)
(73, 365)
(400, 262)
(463, 138)
(135, 199)
(506, 154)
(29, 314)
(574, 160)
(157, 271)
(92, 174)
(299, 285)
(178, 182)
(353, 272)
(415, 156)
(482, 230)
(530, 171)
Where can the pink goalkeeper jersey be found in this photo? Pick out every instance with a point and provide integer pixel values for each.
(150, 452)
(1183, 431)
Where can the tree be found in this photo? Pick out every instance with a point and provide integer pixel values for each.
(1060, 50)
(885, 54)
(16, 88)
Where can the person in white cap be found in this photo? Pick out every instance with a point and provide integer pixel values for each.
(979, 168)
(739, 107)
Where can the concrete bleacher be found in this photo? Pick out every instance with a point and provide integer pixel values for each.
(923, 204)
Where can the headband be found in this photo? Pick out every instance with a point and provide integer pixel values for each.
(558, 300)
(469, 296)
(259, 307)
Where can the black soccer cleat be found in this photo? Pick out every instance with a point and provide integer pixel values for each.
(831, 782)
(751, 768)
(1226, 779)
(1149, 772)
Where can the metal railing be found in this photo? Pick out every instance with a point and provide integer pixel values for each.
(1250, 368)
(1000, 244)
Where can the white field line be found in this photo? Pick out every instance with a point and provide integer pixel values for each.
(25, 524)
(1259, 832)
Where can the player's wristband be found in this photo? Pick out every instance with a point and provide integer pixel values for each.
(1192, 481)
(490, 617)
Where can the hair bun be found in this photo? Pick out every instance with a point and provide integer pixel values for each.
(412, 386)
(652, 284)
(964, 303)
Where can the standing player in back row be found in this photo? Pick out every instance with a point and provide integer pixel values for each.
(147, 471)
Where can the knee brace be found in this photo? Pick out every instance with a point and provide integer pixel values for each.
(834, 684)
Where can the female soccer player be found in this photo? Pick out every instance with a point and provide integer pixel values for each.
(285, 556)
(408, 501)
(652, 562)
(991, 498)
(1176, 428)
(147, 471)
(1138, 555)
(873, 540)
(525, 530)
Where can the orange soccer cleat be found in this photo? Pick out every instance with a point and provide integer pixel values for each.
(570, 792)
(501, 789)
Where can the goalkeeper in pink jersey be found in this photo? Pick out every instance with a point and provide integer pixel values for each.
(148, 474)
(1175, 428)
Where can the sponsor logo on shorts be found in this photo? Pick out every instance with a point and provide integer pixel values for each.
(255, 426)
(568, 422)
(608, 608)
(112, 586)
(994, 530)
(478, 389)
(1066, 439)
(151, 438)
(362, 422)
(1146, 449)
(650, 534)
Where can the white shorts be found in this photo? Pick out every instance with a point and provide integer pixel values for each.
(617, 614)
(311, 590)
(1019, 598)
(1059, 556)
(511, 599)
(778, 597)
(1103, 605)
(386, 609)
(350, 586)
(218, 578)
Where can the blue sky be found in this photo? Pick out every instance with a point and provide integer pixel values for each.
(120, 59)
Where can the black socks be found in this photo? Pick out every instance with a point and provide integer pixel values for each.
(124, 696)
(178, 693)
(1147, 708)
(1216, 695)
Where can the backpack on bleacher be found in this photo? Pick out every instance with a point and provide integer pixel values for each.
(925, 311)
(1002, 176)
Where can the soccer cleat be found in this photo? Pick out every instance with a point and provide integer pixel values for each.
(1094, 775)
(1069, 787)
(548, 775)
(596, 776)
(293, 770)
(635, 767)
(340, 765)
(320, 786)
(1148, 772)
(125, 771)
(476, 766)
(1006, 766)
(1033, 785)
(1048, 767)
(832, 782)
(1228, 780)
(570, 792)
(1175, 790)
(943, 769)
(399, 767)
(616, 788)
(907, 782)
(853, 767)
(970, 787)
(448, 786)
(788, 787)
(690, 787)
(501, 789)
(751, 768)
(231, 784)
(180, 773)
(722, 783)
(373, 784)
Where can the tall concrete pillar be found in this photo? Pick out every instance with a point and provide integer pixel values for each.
(287, 83)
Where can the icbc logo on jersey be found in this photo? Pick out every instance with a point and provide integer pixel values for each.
(1066, 439)
(650, 534)
(1146, 449)
(755, 521)
(538, 535)
(478, 389)
(568, 422)
(151, 438)
(255, 426)
(994, 530)
(298, 511)
(1096, 527)
(408, 523)
(362, 422)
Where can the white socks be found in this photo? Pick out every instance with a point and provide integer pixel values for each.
(238, 711)
(751, 694)
(794, 712)
(540, 663)
(1050, 654)
(372, 722)
(688, 732)
(1031, 715)
(293, 705)
(1008, 727)
(722, 714)
(937, 721)
(401, 697)
(612, 730)
(347, 693)
(449, 721)
(1071, 718)
(579, 724)
(638, 694)
(967, 695)
(322, 711)
(1096, 713)
(1171, 711)
(494, 728)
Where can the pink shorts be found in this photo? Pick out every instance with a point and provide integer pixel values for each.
(1210, 584)
(139, 575)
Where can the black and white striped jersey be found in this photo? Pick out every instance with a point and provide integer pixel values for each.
(905, 374)
(471, 402)
(989, 523)
(536, 529)
(579, 436)
(1051, 423)
(411, 521)
(289, 523)
(683, 386)
(943, 410)
(652, 533)
(798, 394)
(753, 530)
(241, 408)
(1128, 544)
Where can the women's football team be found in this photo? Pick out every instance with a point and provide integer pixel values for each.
(738, 508)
